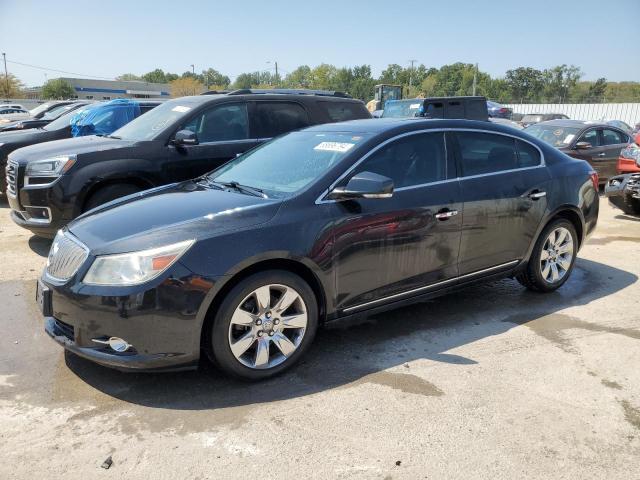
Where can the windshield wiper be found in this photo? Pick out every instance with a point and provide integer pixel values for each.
(256, 192)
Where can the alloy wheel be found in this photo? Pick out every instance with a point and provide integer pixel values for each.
(556, 255)
(268, 326)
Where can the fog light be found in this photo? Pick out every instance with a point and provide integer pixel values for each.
(38, 213)
(117, 344)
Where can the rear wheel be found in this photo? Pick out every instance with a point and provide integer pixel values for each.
(109, 193)
(629, 205)
(552, 259)
(264, 325)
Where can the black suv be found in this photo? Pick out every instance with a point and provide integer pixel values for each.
(53, 183)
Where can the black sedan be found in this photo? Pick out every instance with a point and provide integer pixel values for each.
(244, 264)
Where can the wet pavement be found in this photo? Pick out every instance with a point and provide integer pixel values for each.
(489, 382)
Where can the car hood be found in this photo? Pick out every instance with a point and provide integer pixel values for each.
(169, 214)
(16, 136)
(68, 146)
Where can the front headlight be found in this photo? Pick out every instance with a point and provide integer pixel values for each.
(50, 166)
(125, 269)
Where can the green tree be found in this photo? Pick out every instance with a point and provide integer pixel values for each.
(559, 81)
(128, 77)
(597, 90)
(525, 84)
(323, 76)
(57, 89)
(155, 76)
(10, 86)
(299, 78)
(213, 77)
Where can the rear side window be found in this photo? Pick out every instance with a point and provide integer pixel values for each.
(411, 160)
(482, 153)
(477, 110)
(434, 110)
(341, 111)
(275, 118)
(611, 137)
(528, 155)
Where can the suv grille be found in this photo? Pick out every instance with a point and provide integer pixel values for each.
(65, 257)
(12, 178)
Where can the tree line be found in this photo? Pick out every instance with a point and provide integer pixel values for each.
(560, 84)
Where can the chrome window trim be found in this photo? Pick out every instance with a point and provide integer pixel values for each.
(321, 200)
(220, 142)
(430, 286)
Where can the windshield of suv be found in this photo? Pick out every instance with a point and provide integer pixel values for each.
(56, 112)
(149, 125)
(402, 108)
(64, 120)
(553, 134)
(289, 163)
(39, 109)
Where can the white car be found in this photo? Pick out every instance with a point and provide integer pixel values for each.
(10, 114)
(11, 105)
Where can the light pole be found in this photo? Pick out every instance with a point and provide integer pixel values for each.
(193, 69)
(411, 74)
(6, 74)
(276, 66)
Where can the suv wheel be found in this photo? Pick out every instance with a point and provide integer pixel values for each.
(552, 259)
(109, 193)
(264, 325)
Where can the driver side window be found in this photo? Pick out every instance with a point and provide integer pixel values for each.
(220, 123)
(591, 137)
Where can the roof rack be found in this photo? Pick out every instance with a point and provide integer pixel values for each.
(290, 91)
(216, 92)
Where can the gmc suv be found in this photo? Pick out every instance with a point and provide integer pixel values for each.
(52, 183)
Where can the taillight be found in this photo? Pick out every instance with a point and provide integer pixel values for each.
(594, 180)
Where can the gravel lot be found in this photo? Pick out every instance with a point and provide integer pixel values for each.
(490, 382)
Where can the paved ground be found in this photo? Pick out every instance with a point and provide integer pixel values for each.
(492, 382)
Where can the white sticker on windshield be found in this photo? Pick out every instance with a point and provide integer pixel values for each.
(413, 106)
(568, 138)
(180, 108)
(334, 146)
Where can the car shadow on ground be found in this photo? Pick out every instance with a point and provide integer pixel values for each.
(348, 353)
(40, 245)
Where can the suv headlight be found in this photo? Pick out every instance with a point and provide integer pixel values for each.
(126, 269)
(50, 167)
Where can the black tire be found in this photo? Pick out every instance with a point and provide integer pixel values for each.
(629, 205)
(109, 193)
(531, 277)
(219, 349)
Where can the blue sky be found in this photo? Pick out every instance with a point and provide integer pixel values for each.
(113, 37)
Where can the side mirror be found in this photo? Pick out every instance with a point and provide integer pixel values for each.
(583, 145)
(185, 137)
(364, 185)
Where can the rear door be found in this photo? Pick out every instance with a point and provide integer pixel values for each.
(503, 187)
(222, 131)
(392, 246)
(613, 141)
(275, 117)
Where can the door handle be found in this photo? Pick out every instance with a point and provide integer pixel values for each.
(601, 154)
(537, 195)
(446, 214)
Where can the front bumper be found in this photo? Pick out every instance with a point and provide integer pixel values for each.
(30, 202)
(161, 323)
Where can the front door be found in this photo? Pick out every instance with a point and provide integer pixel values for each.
(222, 131)
(613, 141)
(386, 248)
(503, 187)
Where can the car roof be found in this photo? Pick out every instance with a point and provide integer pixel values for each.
(398, 125)
(574, 123)
(267, 95)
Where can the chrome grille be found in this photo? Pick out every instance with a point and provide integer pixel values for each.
(65, 257)
(12, 178)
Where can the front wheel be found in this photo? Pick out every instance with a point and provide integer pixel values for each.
(552, 259)
(264, 325)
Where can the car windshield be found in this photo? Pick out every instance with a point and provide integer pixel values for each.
(402, 109)
(56, 112)
(64, 120)
(39, 109)
(553, 134)
(289, 163)
(151, 124)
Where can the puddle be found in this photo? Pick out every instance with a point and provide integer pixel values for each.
(404, 382)
(552, 327)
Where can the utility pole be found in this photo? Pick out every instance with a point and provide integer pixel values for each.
(193, 69)
(475, 80)
(6, 74)
(411, 73)
(277, 77)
